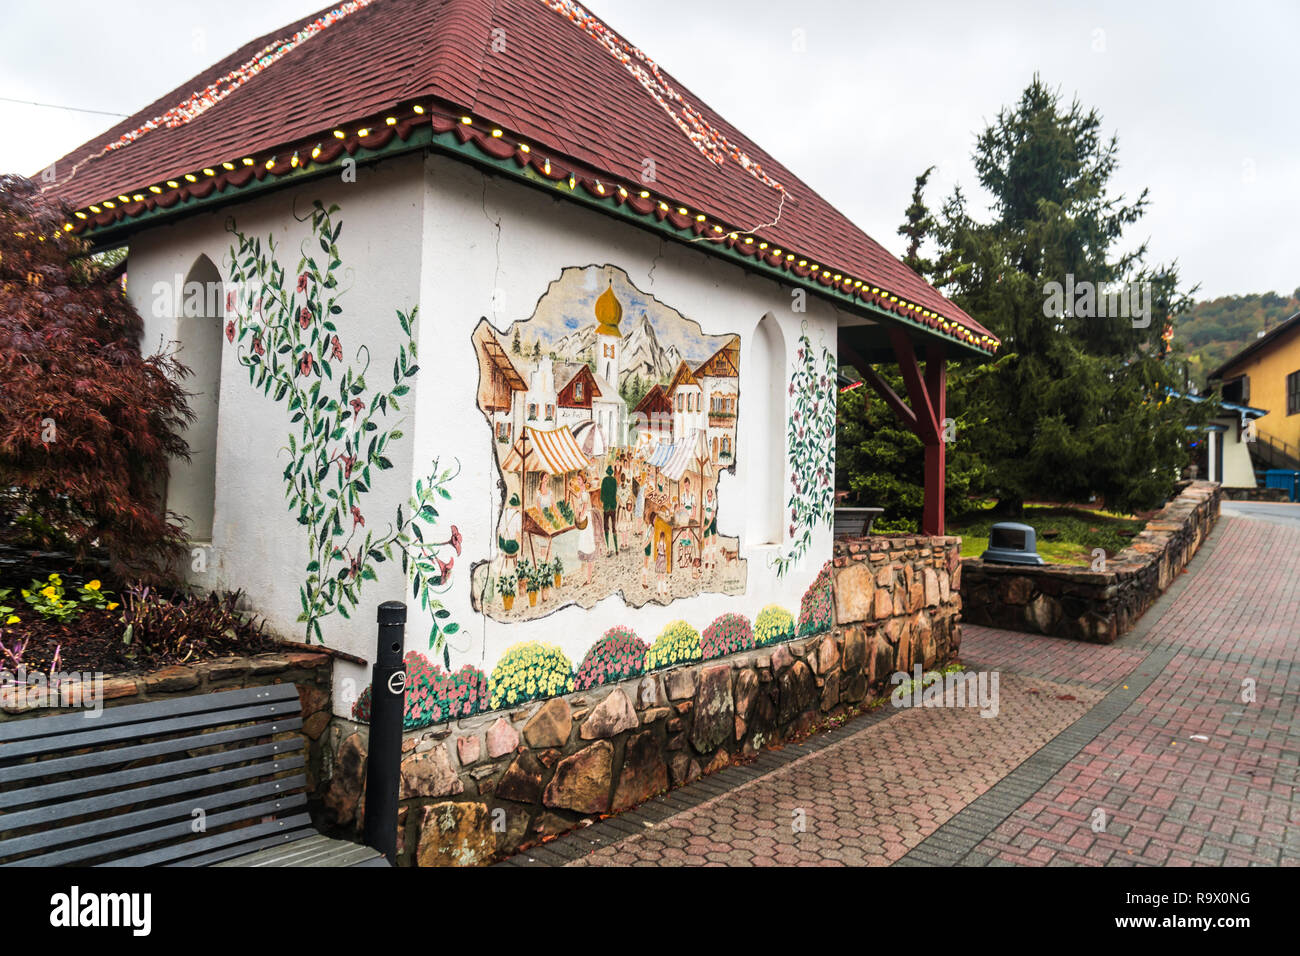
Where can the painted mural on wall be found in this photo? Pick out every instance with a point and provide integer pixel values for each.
(810, 441)
(284, 327)
(611, 417)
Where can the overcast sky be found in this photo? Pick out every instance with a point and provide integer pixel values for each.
(1201, 95)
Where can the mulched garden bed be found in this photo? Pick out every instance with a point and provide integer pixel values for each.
(147, 630)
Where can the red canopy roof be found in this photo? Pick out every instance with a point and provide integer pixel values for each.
(542, 70)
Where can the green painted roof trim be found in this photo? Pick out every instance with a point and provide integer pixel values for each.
(423, 137)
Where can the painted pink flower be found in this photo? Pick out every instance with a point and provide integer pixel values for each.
(304, 367)
(348, 462)
(357, 518)
(302, 282)
(304, 317)
(230, 300)
(456, 538)
(230, 331)
(444, 567)
(357, 406)
(257, 345)
(336, 349)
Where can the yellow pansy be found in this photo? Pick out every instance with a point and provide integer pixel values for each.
(49, 591)
(113, 606)
(13, 619)
(93, 586)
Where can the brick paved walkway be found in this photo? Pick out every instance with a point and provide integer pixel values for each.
(1096, 756)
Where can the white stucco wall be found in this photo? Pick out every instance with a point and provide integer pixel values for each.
(438, 233)
(257, 544)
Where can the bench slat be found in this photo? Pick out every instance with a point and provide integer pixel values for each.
(115, 734)
(124, 779)
(182, 853)
(180, 830)
(192, 783)
(16, 730)
(53, 766)
(103, 826)
(240, 850)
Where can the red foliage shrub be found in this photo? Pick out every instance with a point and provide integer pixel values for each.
(87, 424)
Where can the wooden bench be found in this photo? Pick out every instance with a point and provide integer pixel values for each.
(189, 781)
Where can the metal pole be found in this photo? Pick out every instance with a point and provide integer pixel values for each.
(387, 705)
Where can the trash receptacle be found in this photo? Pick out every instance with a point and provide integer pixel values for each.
(1281, 478)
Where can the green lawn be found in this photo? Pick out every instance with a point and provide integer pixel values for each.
(1080, 532)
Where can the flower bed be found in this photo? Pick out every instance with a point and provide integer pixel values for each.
(51, 625)
(618, 655)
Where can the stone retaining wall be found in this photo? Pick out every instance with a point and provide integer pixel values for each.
(1256, 494)
(482, 787)
(1086, 605)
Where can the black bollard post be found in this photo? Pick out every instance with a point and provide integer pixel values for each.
(387, 704)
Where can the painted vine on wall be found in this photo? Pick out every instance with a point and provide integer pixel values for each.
(811, 443)
(288, 339)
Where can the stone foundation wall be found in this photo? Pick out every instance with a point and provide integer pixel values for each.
(1093, 606)
(483, 787)
(1256, 494)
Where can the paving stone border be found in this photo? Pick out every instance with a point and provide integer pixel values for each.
(954, 842)
(1094, 606)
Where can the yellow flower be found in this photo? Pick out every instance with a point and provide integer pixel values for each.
(113, 606)
(93, 586)
(49, 591)
(13, 619)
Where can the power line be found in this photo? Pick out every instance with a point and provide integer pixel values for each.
(52, 106)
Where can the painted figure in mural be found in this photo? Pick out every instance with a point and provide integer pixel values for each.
(544, 498)
(709, 547)
(638, 490)
(609, 507)
(661, 565)
(586, 534)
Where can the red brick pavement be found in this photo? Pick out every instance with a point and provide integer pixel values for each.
(1168, 797)
(1156, 793)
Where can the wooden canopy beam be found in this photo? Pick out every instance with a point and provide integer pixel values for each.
(928, 392)
(852, 357)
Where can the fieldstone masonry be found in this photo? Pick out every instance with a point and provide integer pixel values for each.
(1094, 606)
(484, 786)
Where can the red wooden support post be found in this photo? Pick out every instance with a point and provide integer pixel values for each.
(936, 448)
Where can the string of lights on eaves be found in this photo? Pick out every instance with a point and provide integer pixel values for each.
(493, 141)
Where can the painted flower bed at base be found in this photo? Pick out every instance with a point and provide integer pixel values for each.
(528, 672)
(729, 634)
(679, 643)
(618, 655)
(433, 695)
(773, 625)
(817, 609)
(289, 341)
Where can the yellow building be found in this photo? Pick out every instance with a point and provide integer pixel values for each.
(1266, 374)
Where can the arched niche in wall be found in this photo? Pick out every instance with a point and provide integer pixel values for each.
(191, 487)
(764, 449)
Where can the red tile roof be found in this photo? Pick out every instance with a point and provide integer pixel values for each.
(516, 64)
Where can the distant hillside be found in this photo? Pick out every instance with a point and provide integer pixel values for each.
(1214, 331)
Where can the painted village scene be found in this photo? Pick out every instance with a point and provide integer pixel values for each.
(611, 417)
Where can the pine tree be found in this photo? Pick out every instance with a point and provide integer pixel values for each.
(515, 346)
(1073, 406)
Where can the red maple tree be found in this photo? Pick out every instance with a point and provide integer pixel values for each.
(87, 423)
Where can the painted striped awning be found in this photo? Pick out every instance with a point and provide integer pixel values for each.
(691, 455)
(661, 454)
(554, 452)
